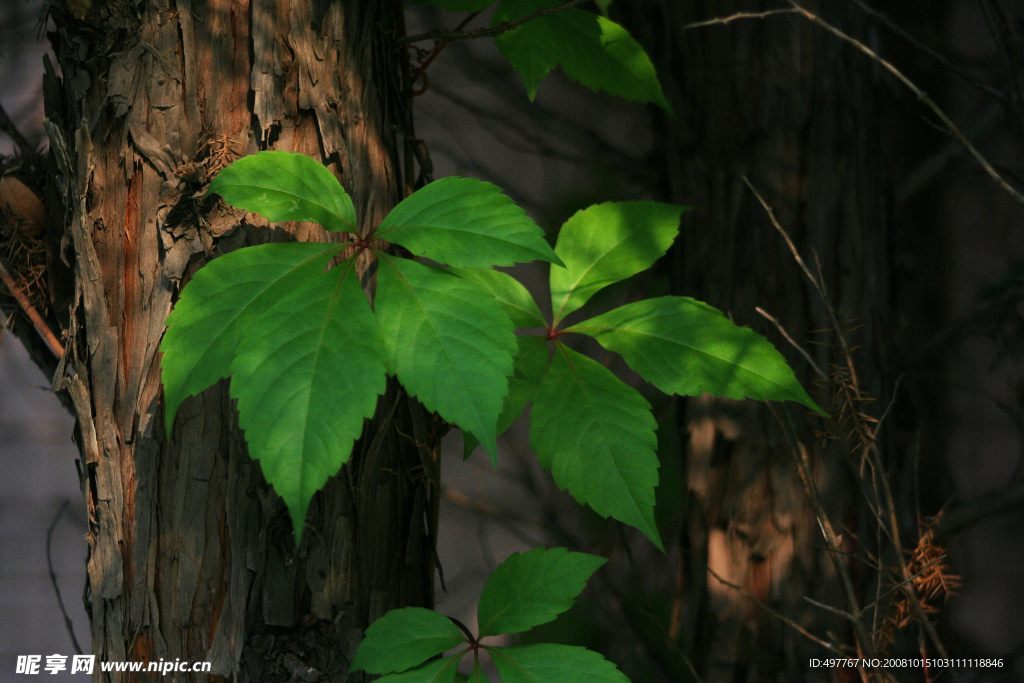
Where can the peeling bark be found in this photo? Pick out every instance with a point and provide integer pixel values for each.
(191, 556)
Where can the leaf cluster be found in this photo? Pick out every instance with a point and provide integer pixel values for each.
(590, 48)
(308, 355)
(526, 590)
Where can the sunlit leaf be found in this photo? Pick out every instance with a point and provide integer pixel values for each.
(467, 223)
(606, 243)
(686, 347)
(285, 186)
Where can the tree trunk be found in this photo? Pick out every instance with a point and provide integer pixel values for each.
(191, 555)
(787, 106)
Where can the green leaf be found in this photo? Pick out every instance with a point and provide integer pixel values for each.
(477, 675)
(467, 223)
(458, 5)
(438, 671)
(284, 186)
(306, 376)
(449, 343)
(603, 6)
(509, 292)
(216, 309)
(530, 362)
(592, 50)
(404, 638)
(532, 588)
(606, 243)
(546, 663)
(684, 346)
(596, 435)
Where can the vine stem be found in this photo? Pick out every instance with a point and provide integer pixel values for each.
(473, 641)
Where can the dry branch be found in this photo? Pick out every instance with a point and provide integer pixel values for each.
(44, 331)
(921, 95)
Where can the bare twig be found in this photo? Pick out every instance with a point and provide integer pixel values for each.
(445, 37)
(738, 16)
(887, 517)
(829, 608)
(782, 330)
(785, 236)
(914, 180)
(53, 576)
(963, 75)
(921, 95)
(44, 331)
(777, 615)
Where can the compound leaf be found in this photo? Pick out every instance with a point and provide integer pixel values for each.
(286, 186)
(509, 292)
(216, 309)
(596, 435)
(606, 243)
(450, 344)
(530, 362)
(404, 638)
(306, 376)
(547, 663)
(592, 50)
(684, 346)
(466, 223)
(532, 588)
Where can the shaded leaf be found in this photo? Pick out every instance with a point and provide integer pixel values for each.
(596, 435)
(532, 588)
(285, 186)
(606, 243)
(530, 362)
(306, 375)
(509, 292)
(467, 223)
(404, 638)
(547, 663)
(448, 343)
(684, 346)
(216, 309)
(477, 675)
(591, 49)
(438, 671)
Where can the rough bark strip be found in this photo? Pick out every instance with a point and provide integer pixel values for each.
(191, 556)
